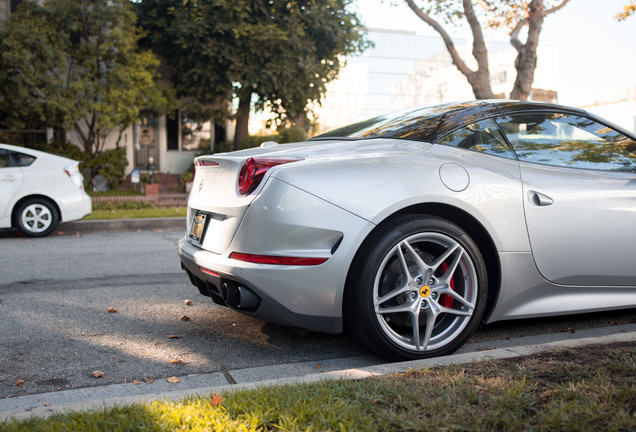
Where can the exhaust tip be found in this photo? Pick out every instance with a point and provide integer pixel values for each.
(239, 296)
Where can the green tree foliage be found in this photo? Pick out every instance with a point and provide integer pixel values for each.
(76, 65)
(280, 53)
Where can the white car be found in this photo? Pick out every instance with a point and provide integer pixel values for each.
(38, 190)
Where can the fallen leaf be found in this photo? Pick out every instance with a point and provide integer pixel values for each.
(187, 302)
(547, 394)
(136, 382)
(185, 318)
(47, 404)
(173, 380)
(175, 337)
(98, 374)
(112, 310)
(568, 330)
(178, 361)
(149, 379)
(318, 366)
(613, 323)
(216, 400)
(19, 383)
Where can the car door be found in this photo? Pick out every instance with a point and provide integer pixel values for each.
(579, 197)
(11, 178)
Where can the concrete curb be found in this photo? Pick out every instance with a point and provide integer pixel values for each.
(144, 224)
(359, 373)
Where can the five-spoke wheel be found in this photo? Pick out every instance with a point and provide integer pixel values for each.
(417, 288)
(36, 218)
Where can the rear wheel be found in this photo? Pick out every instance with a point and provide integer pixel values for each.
(416, 289)
(36, 217)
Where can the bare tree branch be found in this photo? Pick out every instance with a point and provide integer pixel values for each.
(514, 34)
(448, 41)
(479, 44)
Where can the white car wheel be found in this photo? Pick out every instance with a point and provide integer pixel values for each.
(417, 289)
(36, 218)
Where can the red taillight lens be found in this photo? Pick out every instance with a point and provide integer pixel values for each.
(247, 176)
(72, 170)
(277, 260)
(253, 170)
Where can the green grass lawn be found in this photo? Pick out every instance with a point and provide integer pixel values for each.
(587, 389)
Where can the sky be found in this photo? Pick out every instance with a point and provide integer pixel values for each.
(597, 54)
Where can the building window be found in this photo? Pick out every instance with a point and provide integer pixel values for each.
(172, 130)
(194, 135)
(186, 134)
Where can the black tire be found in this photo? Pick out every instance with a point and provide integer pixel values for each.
(36, 217)
(389, 306)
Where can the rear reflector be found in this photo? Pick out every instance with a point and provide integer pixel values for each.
(277, 260)
(210, 272)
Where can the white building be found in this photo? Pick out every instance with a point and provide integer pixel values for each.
(405, 70)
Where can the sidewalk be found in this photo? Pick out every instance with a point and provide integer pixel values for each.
(46, 404)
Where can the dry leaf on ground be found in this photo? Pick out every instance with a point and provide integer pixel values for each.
(173, 380)
(112, 310)
(98, 374)
(175, 337)
(185, 318)
(19, 383)
(149, 379)
(187, 302)
(179, 361)
(216, 400)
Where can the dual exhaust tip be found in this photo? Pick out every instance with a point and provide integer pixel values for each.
(239, 297)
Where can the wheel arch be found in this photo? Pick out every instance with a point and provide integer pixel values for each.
(474, 229)
(14, 214)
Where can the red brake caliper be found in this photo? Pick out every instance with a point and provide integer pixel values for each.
(446, 300)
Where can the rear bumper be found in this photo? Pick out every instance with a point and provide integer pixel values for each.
(283, 221)
(75, 207)
(231, 286)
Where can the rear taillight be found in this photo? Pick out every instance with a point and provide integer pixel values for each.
(253, 171)
(72, 170)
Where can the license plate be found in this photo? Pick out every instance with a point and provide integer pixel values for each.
(198, 226)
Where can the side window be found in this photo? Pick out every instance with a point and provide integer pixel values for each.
(21, 159)
(4, 158)
(568, 141)
(483, 137)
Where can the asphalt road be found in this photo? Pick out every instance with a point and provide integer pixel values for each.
(116, 303)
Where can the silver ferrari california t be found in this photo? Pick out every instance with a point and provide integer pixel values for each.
(411, 229)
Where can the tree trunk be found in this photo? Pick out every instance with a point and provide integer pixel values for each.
(478, 79)
(526, 61)
(242, 119)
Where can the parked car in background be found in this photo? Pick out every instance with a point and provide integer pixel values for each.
(413, 228)
(38, 190)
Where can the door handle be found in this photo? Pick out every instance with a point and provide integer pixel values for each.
(539, 199)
